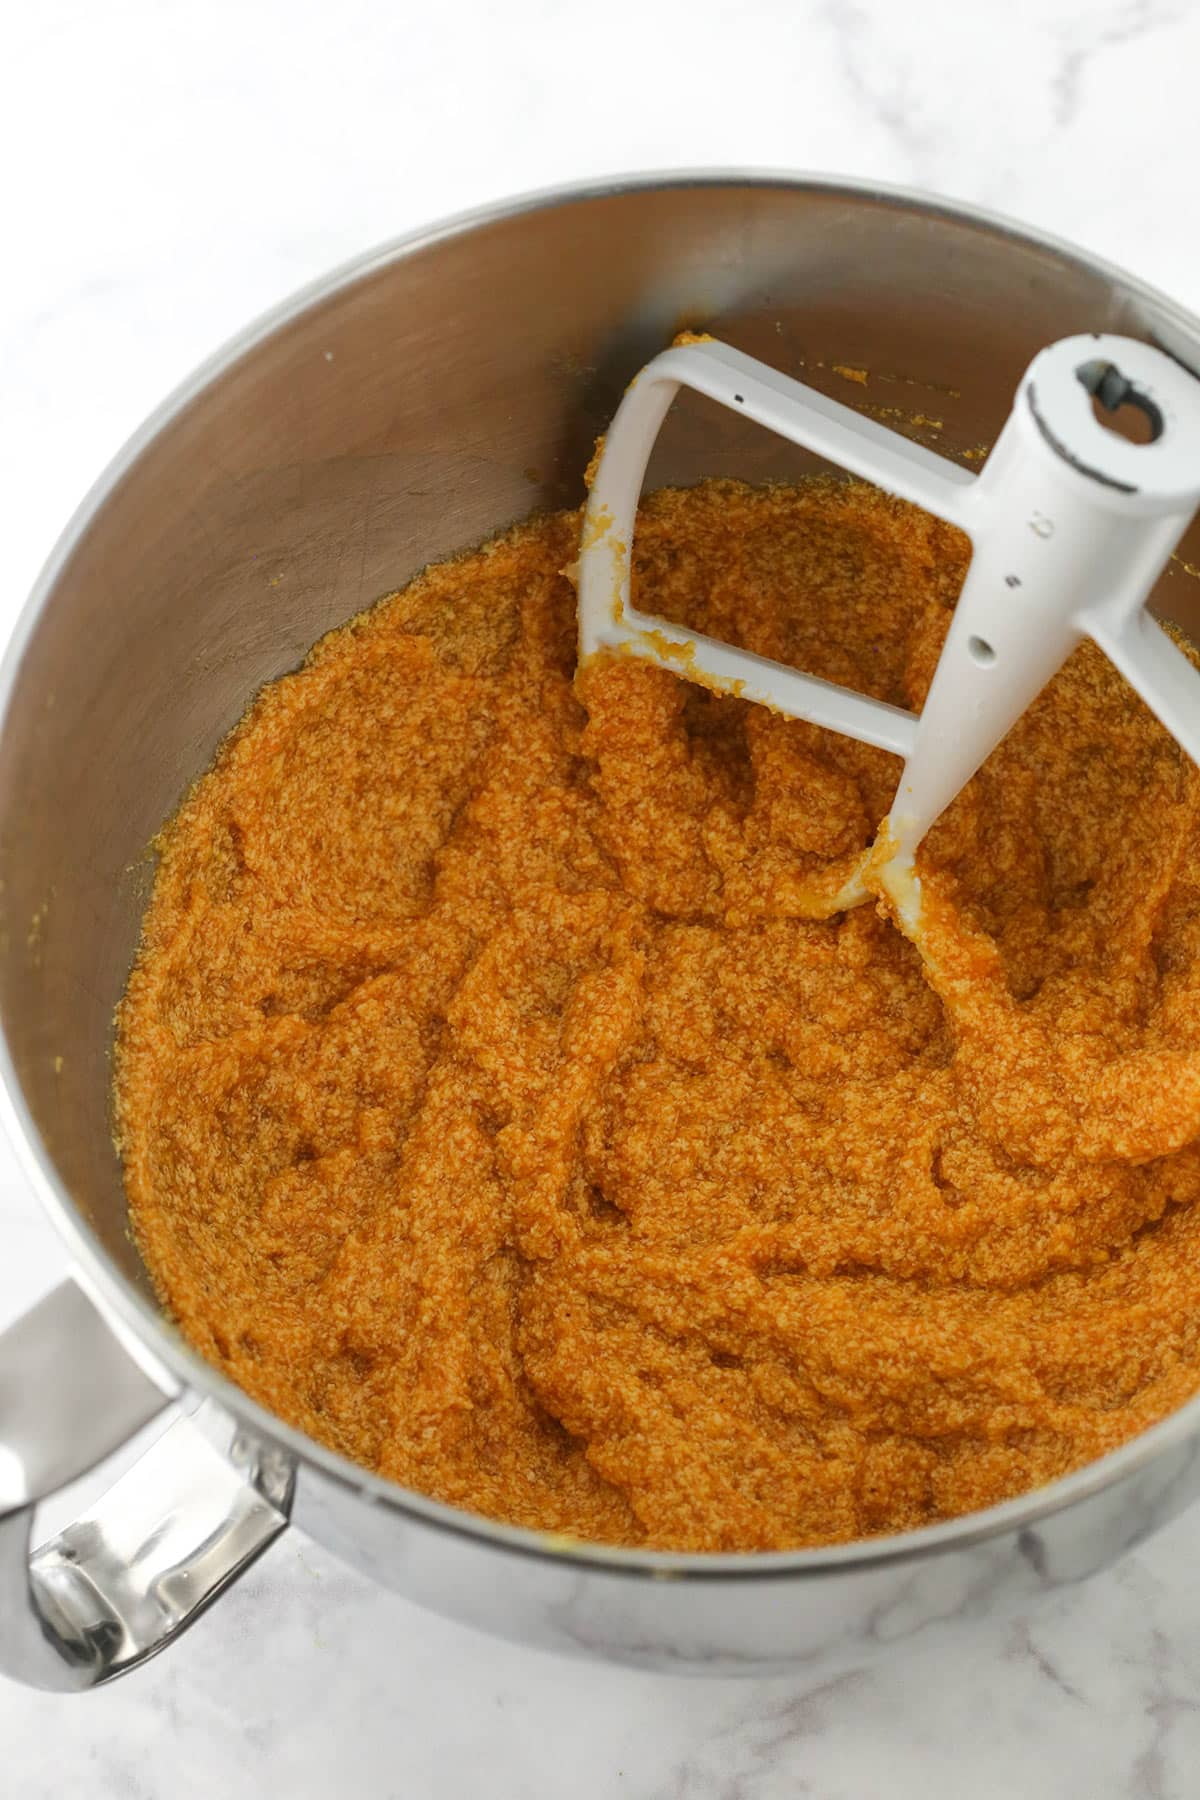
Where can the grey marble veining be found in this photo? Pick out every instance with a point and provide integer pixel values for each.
(171, 171)
(312, 1682)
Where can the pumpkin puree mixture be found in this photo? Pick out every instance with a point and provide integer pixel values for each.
(492, 1110)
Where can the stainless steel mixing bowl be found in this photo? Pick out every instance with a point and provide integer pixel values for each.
(403, 408)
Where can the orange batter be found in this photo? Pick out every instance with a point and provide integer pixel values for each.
(491, 1111)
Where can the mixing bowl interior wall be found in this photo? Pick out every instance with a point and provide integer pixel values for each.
(407, 415)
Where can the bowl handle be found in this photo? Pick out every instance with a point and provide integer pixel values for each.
(126, 1577)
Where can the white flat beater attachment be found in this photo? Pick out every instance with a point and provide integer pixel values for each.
(1070, 526)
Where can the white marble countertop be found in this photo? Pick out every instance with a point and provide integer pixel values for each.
(170, 170)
